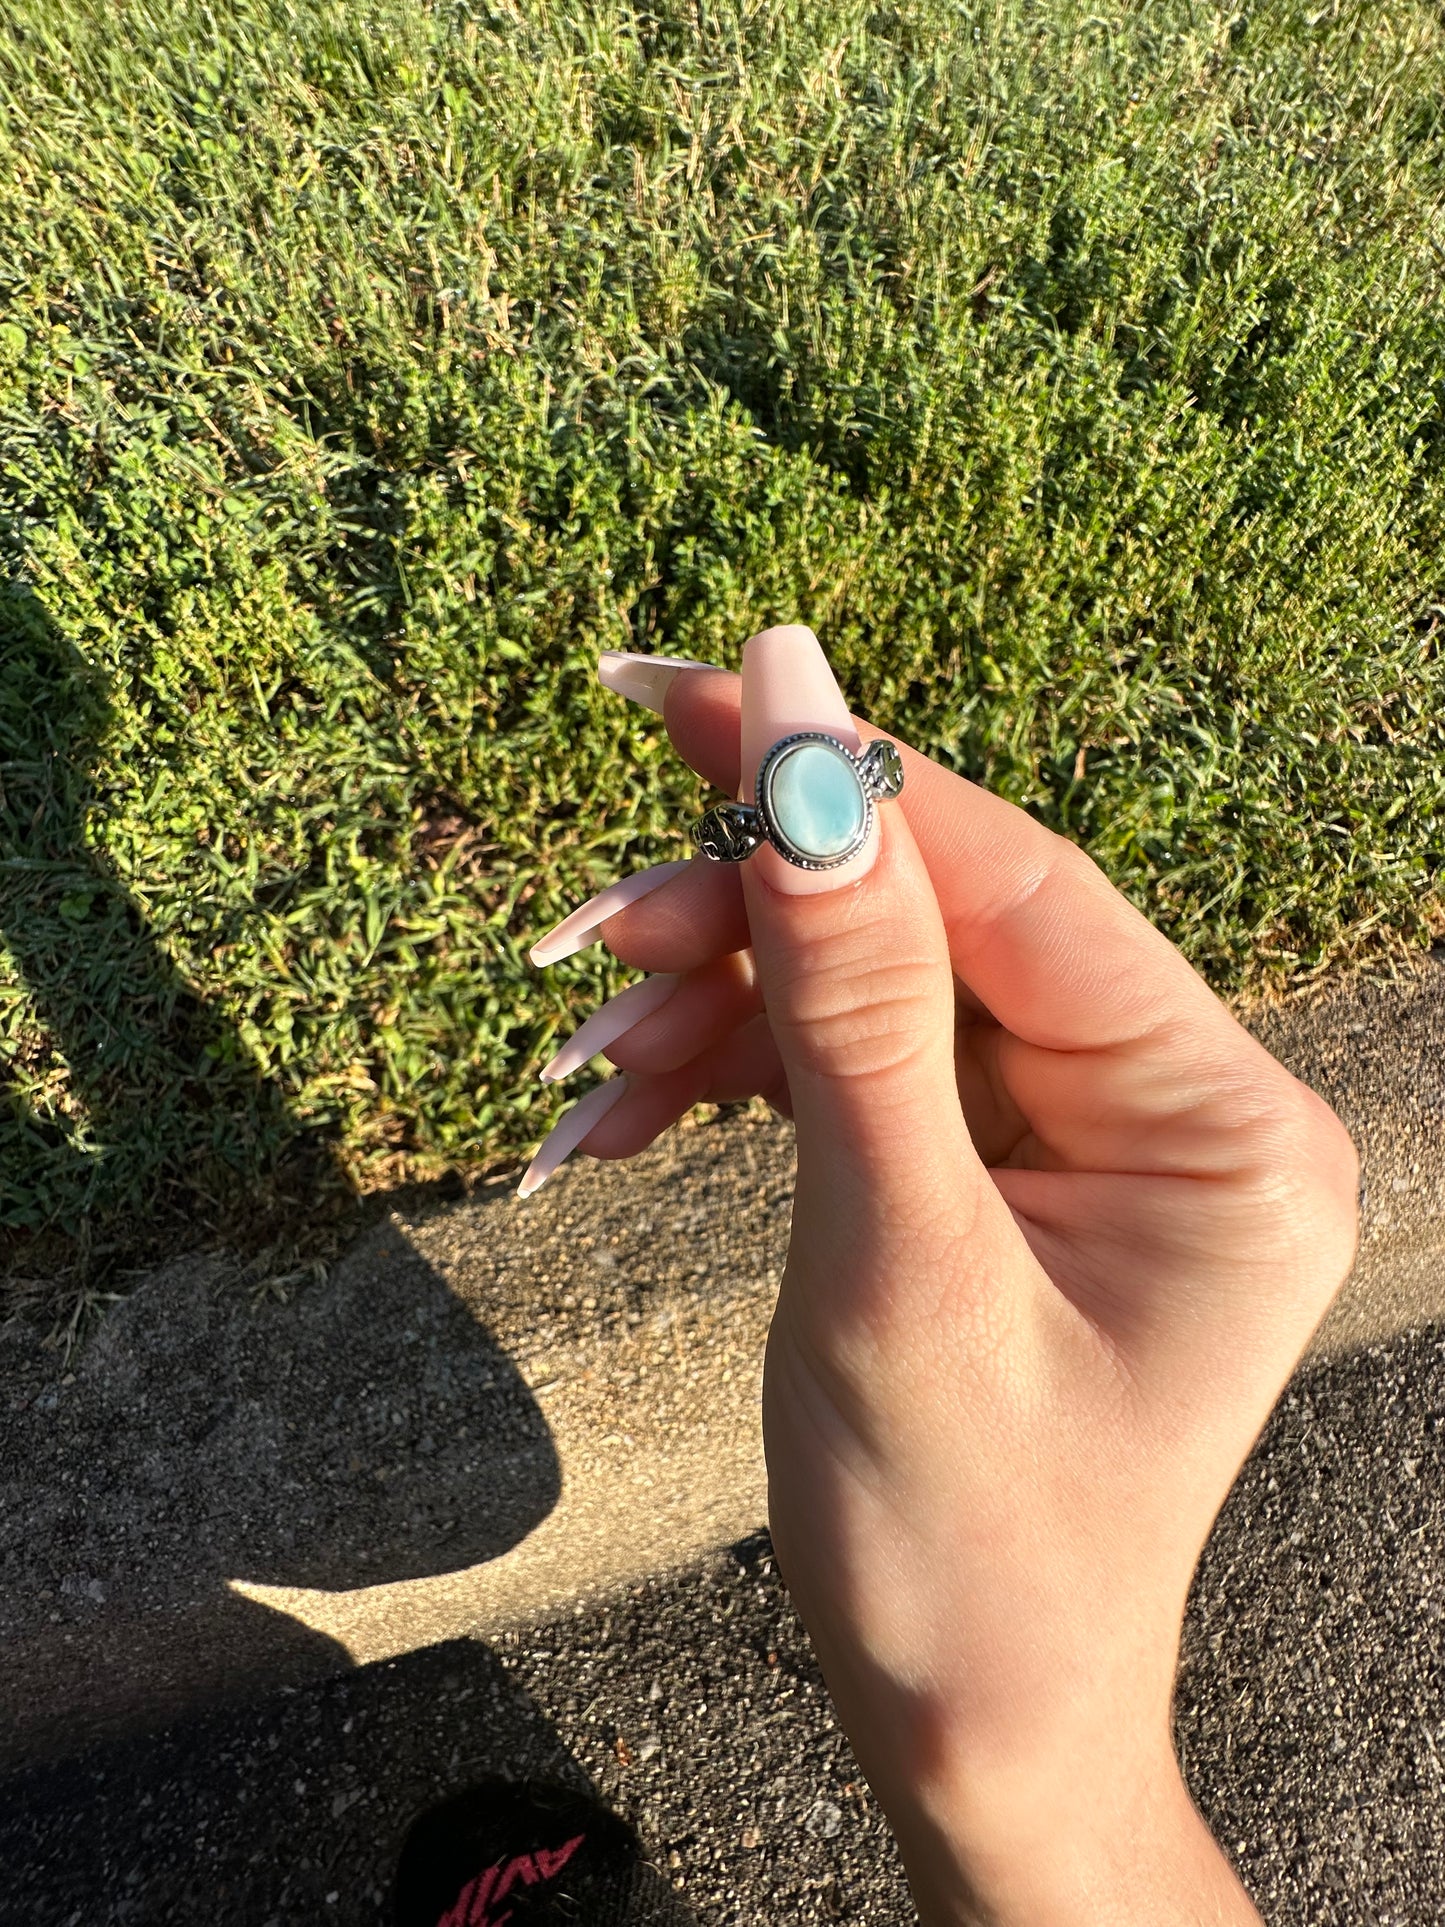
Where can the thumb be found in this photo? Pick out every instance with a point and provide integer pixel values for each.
(853, 964)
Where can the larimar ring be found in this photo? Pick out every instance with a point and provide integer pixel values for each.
(814, 803)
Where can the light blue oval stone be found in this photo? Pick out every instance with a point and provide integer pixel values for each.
(816, 800)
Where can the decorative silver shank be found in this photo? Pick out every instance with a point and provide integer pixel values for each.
(729, 832)
(881, 768)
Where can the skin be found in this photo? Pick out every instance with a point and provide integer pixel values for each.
(1062, 1230)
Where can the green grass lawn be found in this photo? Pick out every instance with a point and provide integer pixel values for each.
(366, 366)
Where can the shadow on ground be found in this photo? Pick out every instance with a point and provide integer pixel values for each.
(292, 1810)
(368, 1431)
(124, 1093)
(1308, 1713)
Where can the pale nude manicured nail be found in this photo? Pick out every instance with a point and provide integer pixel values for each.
(608, 1023)
(642, 679)
(568, 1132)
(584, 925)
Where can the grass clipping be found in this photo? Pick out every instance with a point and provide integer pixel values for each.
(366, 366)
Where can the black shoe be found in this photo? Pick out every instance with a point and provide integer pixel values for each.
(528, 1852)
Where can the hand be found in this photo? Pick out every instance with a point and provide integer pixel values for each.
(1062, 1229)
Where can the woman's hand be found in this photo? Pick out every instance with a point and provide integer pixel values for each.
(1062, 1229)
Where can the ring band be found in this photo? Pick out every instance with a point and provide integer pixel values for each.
(815, 801)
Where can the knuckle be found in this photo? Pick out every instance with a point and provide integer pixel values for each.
(1324, 1145)
(1071, 864)
(863, 1017)
(1311, 1163)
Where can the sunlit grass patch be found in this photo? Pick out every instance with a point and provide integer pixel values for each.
(1077, 372)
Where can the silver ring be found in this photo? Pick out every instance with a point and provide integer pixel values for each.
(815, 801)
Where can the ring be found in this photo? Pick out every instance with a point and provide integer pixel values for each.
(815, 803)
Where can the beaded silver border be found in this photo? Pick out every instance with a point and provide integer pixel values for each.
(730, 832)
(775, 835)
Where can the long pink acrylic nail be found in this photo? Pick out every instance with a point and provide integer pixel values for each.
(642, 679)
(787, 687)
(568, 1132)
(584, 925)
(608, 1023)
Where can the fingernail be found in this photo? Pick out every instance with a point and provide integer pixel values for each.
(642, 679)
(787, 687)
(584, 925)
(608, 1023)
(568, 1132)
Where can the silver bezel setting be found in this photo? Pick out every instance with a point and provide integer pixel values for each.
(730, 832)
(776, 837)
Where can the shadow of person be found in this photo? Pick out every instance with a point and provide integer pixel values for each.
(366, 1432)
(125, 1092)
(291, 1810)
(1307, 1706)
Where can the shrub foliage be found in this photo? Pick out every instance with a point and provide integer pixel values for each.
(366, 366)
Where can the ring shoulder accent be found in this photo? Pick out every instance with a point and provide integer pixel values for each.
(881, 768)
(729, 832)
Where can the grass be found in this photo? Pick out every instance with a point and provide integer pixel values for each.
(366, 366)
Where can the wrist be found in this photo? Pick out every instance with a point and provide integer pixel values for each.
(1106, 1859)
